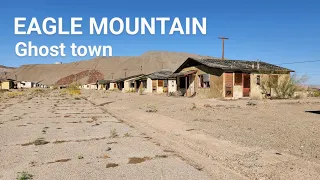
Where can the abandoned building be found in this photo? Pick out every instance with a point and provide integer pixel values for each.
(158, 82)
(103, 84)
(215, 78)
(7, 84)
(126, 84)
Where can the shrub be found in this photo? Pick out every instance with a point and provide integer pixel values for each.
(73, 89)
(14, 94)
(283, 88)
(24, 176)
(113, 133)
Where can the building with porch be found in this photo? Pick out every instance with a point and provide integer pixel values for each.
(158, 82)
(215, 78)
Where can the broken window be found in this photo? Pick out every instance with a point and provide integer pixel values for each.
(165, 83)
(238, 79)
(204, 81)
(258, 80)
(131, 84)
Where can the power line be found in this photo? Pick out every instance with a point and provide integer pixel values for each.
(300, 62)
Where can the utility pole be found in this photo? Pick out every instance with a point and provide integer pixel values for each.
(223, 38)
(112, 75)
(125, 73)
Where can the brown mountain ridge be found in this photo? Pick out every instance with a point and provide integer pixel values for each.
(104, 67)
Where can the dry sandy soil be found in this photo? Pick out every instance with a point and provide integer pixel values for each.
(112, 135)
(54, 137)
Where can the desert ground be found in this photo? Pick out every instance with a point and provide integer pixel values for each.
(114, 135)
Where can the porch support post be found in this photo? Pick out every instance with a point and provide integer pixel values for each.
(186, 83)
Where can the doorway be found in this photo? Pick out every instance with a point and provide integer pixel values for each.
(228, 84)
(246, 85)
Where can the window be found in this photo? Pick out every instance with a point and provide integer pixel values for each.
(131, 84)
(144, 82)
(160, 83)
(204, 81)
(258, 80)
(165, 83)
(238, 79)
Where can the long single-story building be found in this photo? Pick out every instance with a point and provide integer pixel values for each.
(216, 78)
(126, 84)
(158, 82)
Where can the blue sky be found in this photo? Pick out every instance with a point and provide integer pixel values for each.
(273, 31)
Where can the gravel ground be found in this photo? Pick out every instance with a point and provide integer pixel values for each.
(243, 139)
(56, 137)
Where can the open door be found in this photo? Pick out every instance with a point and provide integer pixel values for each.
(228, 84)
(246, 85)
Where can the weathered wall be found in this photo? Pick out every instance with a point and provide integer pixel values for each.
(5, 85)
(237, 91)
(149, 86)
(172, 86)
(216, 82)
(256, 91)
(112, 86)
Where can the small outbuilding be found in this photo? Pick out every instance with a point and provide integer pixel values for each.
(7, 83)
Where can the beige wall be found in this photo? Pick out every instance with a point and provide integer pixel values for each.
(5, 85)
(256, 91)
(216, 82)
(112, 86)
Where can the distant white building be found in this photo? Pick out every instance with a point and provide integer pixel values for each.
(58, 63)
(25, 84)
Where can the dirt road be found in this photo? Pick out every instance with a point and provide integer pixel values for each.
(228, 139)
(54, 137)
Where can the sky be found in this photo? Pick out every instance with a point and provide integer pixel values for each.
(280, 32)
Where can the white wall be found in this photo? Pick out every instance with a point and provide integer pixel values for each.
(172, 85)
(149, 86)
(25, 84)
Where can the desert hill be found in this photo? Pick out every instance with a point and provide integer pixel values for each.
(4, 71)
(107, 67)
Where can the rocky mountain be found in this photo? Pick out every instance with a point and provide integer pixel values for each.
(101, 67)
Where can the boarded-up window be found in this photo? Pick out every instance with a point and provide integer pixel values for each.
(238, 79)
(160, 83)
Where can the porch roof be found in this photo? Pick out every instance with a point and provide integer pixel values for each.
(161, 75)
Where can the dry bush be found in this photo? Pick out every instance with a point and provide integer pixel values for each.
(283, 88)
(73, 90)
(14, 94)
